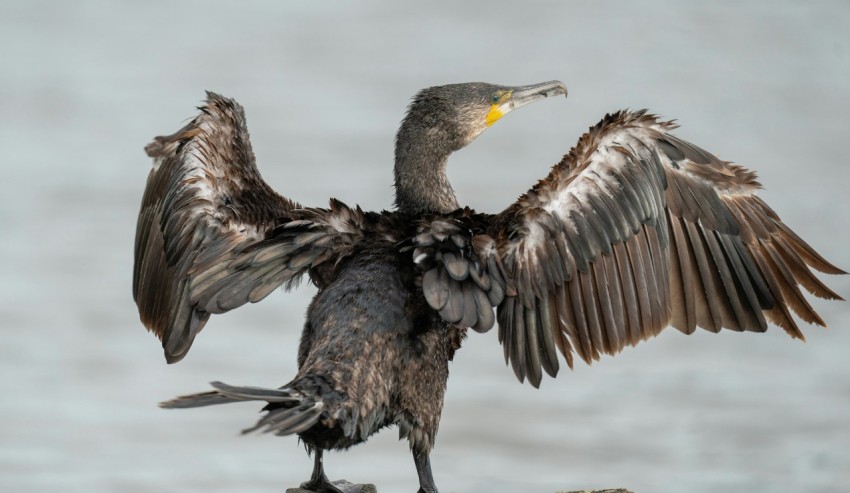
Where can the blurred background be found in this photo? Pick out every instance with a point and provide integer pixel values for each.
(85, 85)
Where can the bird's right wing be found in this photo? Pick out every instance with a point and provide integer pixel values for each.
(212, 235)
(634, 230)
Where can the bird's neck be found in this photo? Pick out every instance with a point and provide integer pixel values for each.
(421, 184)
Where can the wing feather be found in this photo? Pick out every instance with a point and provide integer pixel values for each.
(631, 302)
(212, 235)
(549, 327)
(591, 309)
(642, 286)
(606, 303)
(684, 296)
(532, 345)
(633, 230)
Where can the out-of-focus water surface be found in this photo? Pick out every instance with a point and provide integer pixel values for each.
(84, 85)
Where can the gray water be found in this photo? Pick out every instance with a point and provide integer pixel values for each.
(84, 85)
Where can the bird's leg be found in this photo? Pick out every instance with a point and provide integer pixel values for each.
(320, 483)
(423, 469)
(318, 475)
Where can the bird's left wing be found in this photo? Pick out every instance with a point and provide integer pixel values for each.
(634, 230)
(212, 235)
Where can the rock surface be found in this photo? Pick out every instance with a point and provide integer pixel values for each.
(615, 490)
(344, 486)
(371, 488)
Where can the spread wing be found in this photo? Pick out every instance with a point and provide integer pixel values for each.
(634, 230)
(212, 235)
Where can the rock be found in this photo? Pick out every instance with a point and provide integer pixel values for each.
(344, 486)
(615, 490)
(371, 488)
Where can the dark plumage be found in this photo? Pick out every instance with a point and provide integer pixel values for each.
(633, 230)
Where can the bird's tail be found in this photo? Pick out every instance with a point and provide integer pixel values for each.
(289, 411)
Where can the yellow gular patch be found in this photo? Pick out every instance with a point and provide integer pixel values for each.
(493, 115)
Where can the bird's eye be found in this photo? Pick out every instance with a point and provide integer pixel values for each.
(494, 98)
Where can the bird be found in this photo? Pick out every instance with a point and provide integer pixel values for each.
(633, 230)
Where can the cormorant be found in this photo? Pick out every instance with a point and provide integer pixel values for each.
(633, 230)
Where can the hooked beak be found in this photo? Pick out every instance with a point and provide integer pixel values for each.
(517, 97)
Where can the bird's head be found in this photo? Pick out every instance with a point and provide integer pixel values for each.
(453, 115)
(441, 120)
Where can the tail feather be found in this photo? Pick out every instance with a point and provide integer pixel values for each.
(287, 421)
(258, 393)
(197, 400)
(291, 412)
